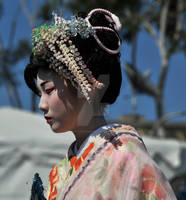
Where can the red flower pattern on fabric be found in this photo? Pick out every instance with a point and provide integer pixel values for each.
(76, 163)
(54, 178)
(148, 179)
(160, 193)
(73, 160)
(150, 185)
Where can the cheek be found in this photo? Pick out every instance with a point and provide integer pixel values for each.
(64, 116)
(61, 106)
(56, 104)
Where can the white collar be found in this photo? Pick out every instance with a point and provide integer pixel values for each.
(90, 138)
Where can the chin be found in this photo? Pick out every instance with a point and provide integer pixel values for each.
(59, 129)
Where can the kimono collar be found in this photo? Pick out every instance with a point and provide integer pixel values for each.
(90, 138)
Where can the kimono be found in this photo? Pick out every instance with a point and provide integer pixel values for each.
(112, 164)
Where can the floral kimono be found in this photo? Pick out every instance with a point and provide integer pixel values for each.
(112, 164)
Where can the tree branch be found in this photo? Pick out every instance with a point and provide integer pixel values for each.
(179, 23)
(179, 20)
(163, 22)
(162, 45)
(35, 12)
(134, 50)
(1, 47)
(152, 6)
(25, 10)
(13, 28)
(148, 26)
(31, 18)
(164, 119)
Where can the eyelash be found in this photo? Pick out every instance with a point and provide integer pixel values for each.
(49, 90)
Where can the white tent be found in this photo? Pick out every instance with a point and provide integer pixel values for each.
(27, 145)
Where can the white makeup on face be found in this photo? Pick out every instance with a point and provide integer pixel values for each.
(56, 101)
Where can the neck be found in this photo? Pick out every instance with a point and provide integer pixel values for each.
(82, 132)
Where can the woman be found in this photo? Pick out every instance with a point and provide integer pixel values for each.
(77, 68)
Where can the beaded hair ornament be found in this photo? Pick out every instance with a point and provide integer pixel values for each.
(64, 57)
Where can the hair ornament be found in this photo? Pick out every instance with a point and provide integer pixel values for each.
(53, 42)
(112, 18)
(74, 26)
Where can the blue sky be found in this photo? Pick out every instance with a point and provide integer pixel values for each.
(147, 58)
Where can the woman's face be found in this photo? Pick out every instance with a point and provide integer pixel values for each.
(59, 104)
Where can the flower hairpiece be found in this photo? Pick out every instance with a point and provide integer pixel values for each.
(76, 25)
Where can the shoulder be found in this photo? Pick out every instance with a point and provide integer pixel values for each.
(124, 148)
(124, 138)
(121, 145)
(126, 158)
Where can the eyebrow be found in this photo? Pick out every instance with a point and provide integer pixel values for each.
(43, 83)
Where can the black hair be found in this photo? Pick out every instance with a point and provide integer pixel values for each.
(101, 63)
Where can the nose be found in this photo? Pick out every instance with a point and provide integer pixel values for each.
(43, 105)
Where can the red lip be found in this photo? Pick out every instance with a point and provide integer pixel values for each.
(48, 119)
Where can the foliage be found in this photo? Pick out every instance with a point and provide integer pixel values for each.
(45, 11)
(22, 50)
(9, 56)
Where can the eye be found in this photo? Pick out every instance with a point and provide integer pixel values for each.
(49, 90)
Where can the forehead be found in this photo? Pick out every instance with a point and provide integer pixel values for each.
(46, 75)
